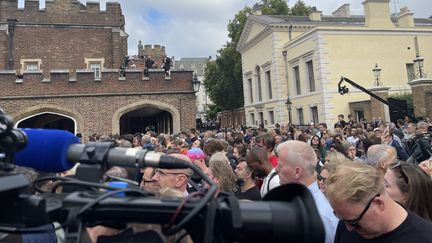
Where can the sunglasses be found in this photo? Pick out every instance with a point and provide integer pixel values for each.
(400, 167)
(320, 178)
(355, 222)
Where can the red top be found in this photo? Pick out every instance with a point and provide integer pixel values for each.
(273, 160)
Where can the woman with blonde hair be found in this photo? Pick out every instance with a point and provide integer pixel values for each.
(333, 159)
(221, 172)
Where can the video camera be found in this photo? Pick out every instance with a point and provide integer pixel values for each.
(286, 214)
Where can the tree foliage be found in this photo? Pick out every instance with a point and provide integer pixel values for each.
(274, 7)
(223, 77)
(301, 9)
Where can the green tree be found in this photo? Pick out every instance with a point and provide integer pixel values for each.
(274, 7)
(235, 26)
(301, 9)
(223, 77)
(212, 111)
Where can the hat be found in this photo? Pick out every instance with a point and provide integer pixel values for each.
(196, 153)
(376, 129)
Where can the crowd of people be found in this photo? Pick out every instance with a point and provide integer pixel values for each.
(371, 182)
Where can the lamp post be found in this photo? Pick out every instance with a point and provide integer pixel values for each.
(377, 73)
(288, 104)
(419, 64)
(196, 83)
(418, 60)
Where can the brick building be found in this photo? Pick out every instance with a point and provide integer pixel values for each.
(59, 69)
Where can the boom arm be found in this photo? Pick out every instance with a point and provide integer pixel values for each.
(343, 90)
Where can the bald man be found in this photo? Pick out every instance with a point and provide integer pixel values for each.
(173, 178)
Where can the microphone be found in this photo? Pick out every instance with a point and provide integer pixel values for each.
(57, 151)
(127, 157)
(46, 150)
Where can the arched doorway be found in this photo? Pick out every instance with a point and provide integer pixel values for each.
(145, 119)
(48, 120)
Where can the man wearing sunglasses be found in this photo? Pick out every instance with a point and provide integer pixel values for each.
(366, 212)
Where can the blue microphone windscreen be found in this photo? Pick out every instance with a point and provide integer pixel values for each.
(46, 150)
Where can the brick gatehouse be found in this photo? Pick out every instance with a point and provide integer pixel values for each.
(59, 68)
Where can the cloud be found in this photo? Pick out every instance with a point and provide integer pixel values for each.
(198, 28)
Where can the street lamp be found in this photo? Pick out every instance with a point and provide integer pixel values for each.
(196, 83)
(288, 103)
(419, 63)
(377, 73)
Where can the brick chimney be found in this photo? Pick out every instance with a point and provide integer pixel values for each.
(405, 18)
(377, 14)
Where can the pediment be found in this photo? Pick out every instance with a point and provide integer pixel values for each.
(255, 30)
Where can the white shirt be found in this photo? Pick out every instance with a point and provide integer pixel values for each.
(274, 182)
(325, 210)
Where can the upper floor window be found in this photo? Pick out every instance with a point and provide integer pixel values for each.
(269, 85)
(258, 75)
(310, 72)
(96, 68)
(96, 65)
(296, 77)
(250, 90)
(30, 64)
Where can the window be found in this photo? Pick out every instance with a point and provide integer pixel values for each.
(261, 117)
(269, 86)
(250, 91)
(96, 68)
(192, 66)
(258, 73)
(359, 115)
(300, 116)
(96, 65)
(410, 71)
(30, 64)
(271, 115)
(252, 115)
(311, 78)
(297, 79)
(314, 113)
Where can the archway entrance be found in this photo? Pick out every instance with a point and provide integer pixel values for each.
(48, 121)
(145, 119)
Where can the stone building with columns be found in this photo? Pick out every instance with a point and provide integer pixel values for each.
(300, 59)
(59, 68)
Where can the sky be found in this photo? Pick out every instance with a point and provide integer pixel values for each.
(198, 28)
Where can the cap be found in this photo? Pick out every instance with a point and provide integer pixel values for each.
(196, 153)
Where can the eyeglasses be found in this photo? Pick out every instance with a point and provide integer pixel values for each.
(402, 172)
(355, 222)
(320, 178)
(144, 181)
(164, 173)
